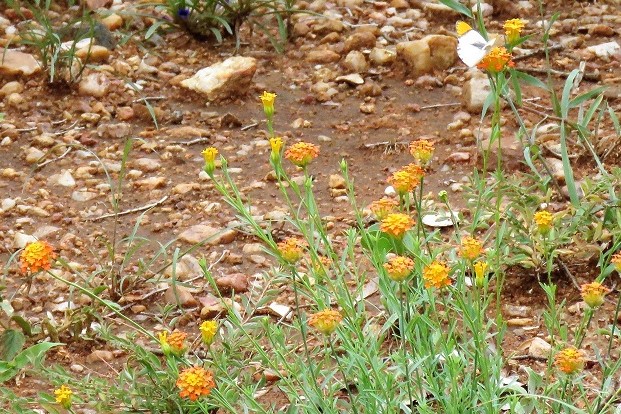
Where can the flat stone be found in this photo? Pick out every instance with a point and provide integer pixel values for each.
(180, 295)
(539, 348)
(208, 234)
(94, 84)
(236, 282)
(225, 79)
(323, 56)
(99, 356)
(14, 62)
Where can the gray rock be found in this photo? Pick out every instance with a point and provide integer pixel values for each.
(83, 195)
(475, 92)
(381, 56)
(539, 348)
(180, 295)
(356, 62)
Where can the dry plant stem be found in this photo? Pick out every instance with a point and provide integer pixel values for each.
(133, 210)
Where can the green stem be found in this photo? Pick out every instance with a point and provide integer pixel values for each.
(402, 329)
(354, 402)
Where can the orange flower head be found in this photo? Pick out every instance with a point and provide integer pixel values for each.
(384, 206)
(436, 274)
(267, 99)
(36, 256)
(396, 224)
(63, 396)
(593, 294)
(208, 329)
(513, 29)
(471, 248)
(570, 360)
(406, 179)
(480, 271)
(291, 249)
(398, 268)
(496, 60)
(543, 219)
(422, 151)
(325, 321)
(195, 382)
(616, 261)
(302, 153)
(174, 343)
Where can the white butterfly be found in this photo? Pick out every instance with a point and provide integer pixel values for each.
(472, 46)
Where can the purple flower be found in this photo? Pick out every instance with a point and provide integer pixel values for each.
(183, 13)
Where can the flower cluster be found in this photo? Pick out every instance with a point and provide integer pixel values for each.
(209, 155)
(496, 60)
(471, 248)
(173, 344)
(36, 256)
(570, 360)
(208, 329)
(302, 153)
(384, 206)
(406, 179)
(325, 321)
(543, 219)
(593, 294)
(436, 274)
(291, 249)
(422, 151)
(63, 396)
(398, 268)
(513, 29)
(195, 382)
(396, 224)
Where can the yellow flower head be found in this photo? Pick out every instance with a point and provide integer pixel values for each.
(616, 261)
(513, 29)
(276, 145)
(302, 153)
(406, 179)
(325, 321)
(593, 294)
(396, 224)
(291, 249)
(195, 382)
(63, 396)
(399, 268)
(173, 343)
(543, 220)
(570, 360)
(208, 331)
(36, 256)
(210, 154)
(496, 60)
(436, 274)
(384, 206)
(470, 249)
(480, 271)
(422, 151)
(267, 99)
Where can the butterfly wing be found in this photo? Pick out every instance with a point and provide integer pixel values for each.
(471, 47)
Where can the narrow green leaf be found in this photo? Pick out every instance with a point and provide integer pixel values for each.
(569, 174)
(11, 343)
(531, 80)
(569, 83)
(585, 97)
(458, 7)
